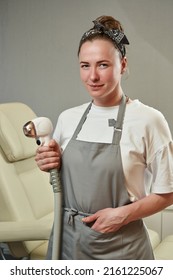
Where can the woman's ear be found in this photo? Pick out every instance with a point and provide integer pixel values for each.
(123, 65)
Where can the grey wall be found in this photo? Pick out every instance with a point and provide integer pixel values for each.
(38, 51)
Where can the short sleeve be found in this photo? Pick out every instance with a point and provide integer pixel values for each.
(161, 168)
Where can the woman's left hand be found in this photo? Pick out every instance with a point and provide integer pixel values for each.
(112, 219)
(107, 220)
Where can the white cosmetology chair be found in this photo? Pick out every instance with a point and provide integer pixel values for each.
(26, 197)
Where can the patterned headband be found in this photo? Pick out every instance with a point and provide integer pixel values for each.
(116, 35)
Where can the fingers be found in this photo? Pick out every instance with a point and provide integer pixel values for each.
(54, 145)
(47, 161)
(48, 157)
(89, 219)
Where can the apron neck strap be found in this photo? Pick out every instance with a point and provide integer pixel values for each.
(82, 120)
(119, 122)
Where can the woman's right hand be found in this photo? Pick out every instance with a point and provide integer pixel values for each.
(48, 157)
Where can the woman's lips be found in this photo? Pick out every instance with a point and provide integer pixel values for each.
(95, 87)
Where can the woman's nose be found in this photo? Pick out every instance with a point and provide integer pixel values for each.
(94, 75)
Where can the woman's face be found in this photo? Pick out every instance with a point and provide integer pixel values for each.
(100, 69)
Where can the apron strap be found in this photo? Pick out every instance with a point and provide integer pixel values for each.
(82, 120)
(119, 122)
(71, 213)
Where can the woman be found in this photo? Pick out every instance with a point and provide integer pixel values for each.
(109, 152)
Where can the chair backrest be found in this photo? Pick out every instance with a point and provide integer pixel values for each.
(25, 192)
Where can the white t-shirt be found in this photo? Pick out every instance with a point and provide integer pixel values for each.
(146, 143)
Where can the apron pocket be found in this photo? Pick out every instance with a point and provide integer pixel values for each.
(97, 245)
(128, 243)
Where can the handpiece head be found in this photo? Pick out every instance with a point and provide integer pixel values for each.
(40, 129)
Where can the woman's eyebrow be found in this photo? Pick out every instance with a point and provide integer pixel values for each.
(100, 61)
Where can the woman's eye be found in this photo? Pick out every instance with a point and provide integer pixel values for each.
(84, 66)
(103, 65)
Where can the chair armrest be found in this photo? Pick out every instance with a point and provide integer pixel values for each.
(25, 230)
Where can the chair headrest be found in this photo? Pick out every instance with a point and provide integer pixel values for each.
(15, 145)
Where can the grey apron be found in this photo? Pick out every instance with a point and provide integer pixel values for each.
(93, 179)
